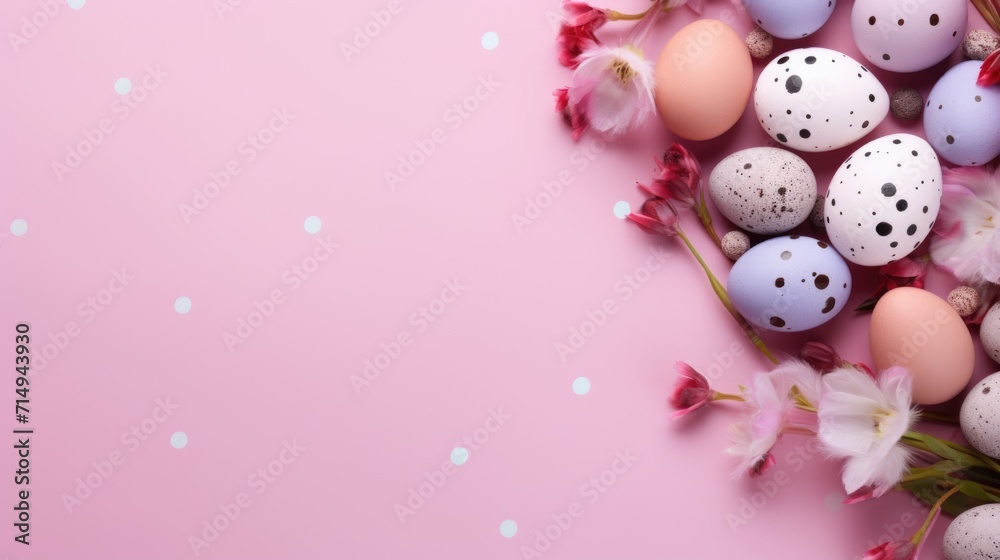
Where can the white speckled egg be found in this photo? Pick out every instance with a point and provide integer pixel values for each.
(907, 35)
(790, 284)
(974, 535)
(883, 200)
(817, 100)
(980, 416)
(763, 190)
(960, 119)
(790, 19)
(989, 332)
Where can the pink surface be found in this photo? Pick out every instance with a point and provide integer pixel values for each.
(263, 371)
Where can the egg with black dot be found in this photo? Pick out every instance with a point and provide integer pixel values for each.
(790, 19)
(960, 117)
(974, 534)
(883, 200)
(763, 190)
(980, 416)
(907, 35)
(817, 100)
(790, 284)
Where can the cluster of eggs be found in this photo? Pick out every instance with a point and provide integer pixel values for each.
(882, 201)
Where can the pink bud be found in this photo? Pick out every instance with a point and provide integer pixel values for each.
(691, 391)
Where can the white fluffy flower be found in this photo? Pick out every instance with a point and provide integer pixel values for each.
(966, 239)
(862, 421)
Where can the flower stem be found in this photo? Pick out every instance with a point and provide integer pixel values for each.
(706, 218)
(932, 515)
(926, 442)
(723, 295)
(717, 396)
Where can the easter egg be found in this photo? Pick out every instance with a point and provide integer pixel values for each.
(919, 331)
(989, 332)
(960, 117)
(703, 80)
(790, 19)
(974, 534)
(763, 190)
(789, 284)
(980, 416)
(816, 100)
(883, 200)
(906, 35)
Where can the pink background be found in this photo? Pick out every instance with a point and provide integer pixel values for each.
(491, 348)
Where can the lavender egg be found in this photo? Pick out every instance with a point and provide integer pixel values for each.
(790, 284)
(960, 117)
(790, 19)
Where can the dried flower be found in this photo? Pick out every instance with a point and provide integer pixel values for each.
(862, 421)
(965, 237)
(656, 216)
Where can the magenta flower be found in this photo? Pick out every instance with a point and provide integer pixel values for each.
(576, 34)
(678, 177)
(691, 391)
(905, 272)
(895, 550)
(656, 215)
(989, 72)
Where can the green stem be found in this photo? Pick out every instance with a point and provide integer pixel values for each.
(974, 458)
(706, 218)
(717, 396)
(932, 514)
(723, 295)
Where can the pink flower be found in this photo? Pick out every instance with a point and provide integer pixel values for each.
(691, 391)
(965, 236)
(989, 72)
(576, 34)
(895, 550)
(612, 89)
(678, 177)
(756, 435)
(656, 215)
(774, 400)
(862, 420)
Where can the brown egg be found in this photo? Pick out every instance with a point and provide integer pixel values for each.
(703, 80)
(919, 331)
